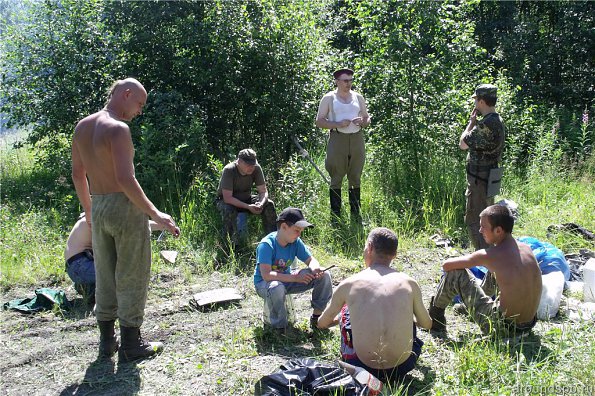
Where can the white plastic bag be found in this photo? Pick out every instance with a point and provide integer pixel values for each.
(551, 294)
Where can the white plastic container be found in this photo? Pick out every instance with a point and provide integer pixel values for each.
(589, 279)
(552, 285)
(375, 387)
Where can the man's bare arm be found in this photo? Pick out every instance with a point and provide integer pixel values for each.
(470, 126)
(229, 199)
(79, 179)
(263, 194)
(479, 257)
(267, 273)
(422, 317)
(366, 119)
(329, 316)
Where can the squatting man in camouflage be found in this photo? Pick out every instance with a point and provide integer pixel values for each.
(485, 141)
(234, 196)
(514, 276)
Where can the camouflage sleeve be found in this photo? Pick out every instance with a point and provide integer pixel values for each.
(481, 138)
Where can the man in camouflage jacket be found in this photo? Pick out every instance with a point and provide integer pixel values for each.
(484, 141)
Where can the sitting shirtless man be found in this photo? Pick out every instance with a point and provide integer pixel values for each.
(513, 267)
(375, 309)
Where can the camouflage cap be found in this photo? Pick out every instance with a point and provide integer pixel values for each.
(248, 156)
(485, 90)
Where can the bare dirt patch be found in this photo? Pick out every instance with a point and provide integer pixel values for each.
(223, 351)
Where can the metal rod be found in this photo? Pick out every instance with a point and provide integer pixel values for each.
(305, 154)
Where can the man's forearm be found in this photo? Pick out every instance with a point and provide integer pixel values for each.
(278, 276)
(82, 191)
(263, 197)
(236, 202)
(327, 320)
(326, 124)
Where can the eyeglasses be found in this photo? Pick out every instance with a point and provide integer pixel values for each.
(345, 79)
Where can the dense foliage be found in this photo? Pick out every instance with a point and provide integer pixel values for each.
(224, 75)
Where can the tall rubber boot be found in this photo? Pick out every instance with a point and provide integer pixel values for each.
(134, 347)
(335, 196)
(355, 205)
(108, 343)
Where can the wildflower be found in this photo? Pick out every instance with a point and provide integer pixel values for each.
(586, 118)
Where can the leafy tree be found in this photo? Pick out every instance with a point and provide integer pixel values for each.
(221, 76)
(419, 65)
(53, 63)
(547, 47)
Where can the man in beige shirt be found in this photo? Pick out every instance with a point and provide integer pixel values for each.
(344, 112)
(375, 309)
(102, 167)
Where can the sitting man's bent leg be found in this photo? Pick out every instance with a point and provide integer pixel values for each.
(274, 294)
(462, 282)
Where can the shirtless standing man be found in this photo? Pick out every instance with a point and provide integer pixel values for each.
(375, 310)
(515, 271)
(102, 167)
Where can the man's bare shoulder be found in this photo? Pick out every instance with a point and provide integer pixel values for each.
(372, 277)
(527, 254)
(100, 122)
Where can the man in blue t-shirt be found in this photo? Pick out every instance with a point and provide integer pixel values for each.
(273, 278)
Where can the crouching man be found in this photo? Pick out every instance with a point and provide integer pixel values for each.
(513, 270)
(375, 310)
(273, 278)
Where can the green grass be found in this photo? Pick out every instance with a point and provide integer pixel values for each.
(34, 228)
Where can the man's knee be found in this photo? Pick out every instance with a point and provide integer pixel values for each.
(269, 209)
(227, 210)
(276, 289)
(325, 279)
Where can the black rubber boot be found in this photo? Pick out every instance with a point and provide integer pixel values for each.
(108, 343)
(437, 315)
(355, 205)
(335, 196)
(134, 347)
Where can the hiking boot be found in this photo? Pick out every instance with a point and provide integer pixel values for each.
(134, 347)
(460, 309)
(108, 343)
(438, 318)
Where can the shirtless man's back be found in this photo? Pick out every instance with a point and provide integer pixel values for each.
(376, 310)
(94, 136)
(511, 265)
(102, 165)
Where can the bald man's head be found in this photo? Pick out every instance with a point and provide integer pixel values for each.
(126, 98)
(122, 85)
